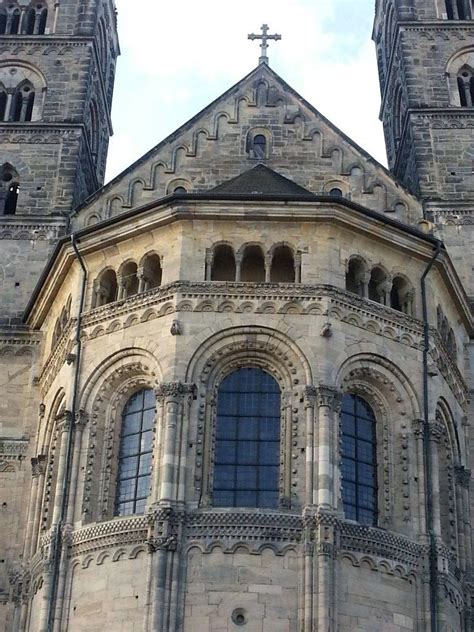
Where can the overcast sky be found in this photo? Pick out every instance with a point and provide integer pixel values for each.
(177, 57)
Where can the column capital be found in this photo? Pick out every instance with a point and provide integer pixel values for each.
(64, 421)
(174, 391)
(309, 396)
(417, 425)
(436, 430)
(82, 419)
(38, 465)
(329, 397)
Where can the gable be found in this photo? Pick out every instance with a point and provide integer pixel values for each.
(215, 147)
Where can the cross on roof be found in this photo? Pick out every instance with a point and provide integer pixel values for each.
(264, 45)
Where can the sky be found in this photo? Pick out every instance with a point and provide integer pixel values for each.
(178, 57)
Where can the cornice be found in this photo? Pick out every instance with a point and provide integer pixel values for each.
(13, 449)
(257, 298)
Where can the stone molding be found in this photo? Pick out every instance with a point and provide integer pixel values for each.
(12, 452)
(28, 231)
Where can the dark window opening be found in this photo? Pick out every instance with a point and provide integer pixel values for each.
(22, 104)
(283, 266)
(3, 23)
(108, 288)
(9, 190)
(15, 23)
(180, 190)
(259, 146)
(247, 446)
(135, 454)
(359, 460)
(253, 265)
(152, 272)
(129, 280)
(335, 192)
(11, 200)
(376, 291)
(42, 22)
(30, 22)
(354, 277)
(3, 105)
(223, 264)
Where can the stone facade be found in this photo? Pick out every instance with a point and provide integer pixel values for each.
(258, 237)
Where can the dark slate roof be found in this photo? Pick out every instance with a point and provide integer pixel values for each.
(261, 180)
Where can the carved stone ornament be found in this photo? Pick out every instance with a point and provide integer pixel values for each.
(174, 391)
(327, 396)
(463, 476)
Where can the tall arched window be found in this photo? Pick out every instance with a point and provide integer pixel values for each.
(359, 460)
(466, 86)
(247, 447)
(23, 102)
(458, 9)
(3, 22)
(9, 190)
(135, 454)
(253, 265)
(282, 269)
(3, 103)
(15, 22)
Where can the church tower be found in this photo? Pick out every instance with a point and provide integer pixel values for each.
(425, 54)
(57, 69)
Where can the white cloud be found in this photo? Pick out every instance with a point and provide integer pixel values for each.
(176, 60)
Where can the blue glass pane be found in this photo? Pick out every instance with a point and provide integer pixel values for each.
(365, 451)
(143, 486)
(348, 425)
(224, 477)
(246, 477)
(149, 399)
(349, 493)
(268, 500)
(348, 470)
(366, 474)
(145, 464)
(348, 447)
(269, 453)
(248, 428)
(128, 467)
(126, 490)
(131, 424)
(148, 419)
(247, 452)
(225, 452)
(348, 404)
(365, 429)
(140, 506)
(269, 429)
(246, 499)
(134, 403)
(268, 478)
(366, 497)
(350, 512)
(247, 436)
(125, 509)
(146, 443)
(363, 409)
(129, 445)
(223, 499)
(367, 517)
(227, 428)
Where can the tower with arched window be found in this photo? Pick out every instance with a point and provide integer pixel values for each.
(50, 54)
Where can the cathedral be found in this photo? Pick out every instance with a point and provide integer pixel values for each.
(236, 380)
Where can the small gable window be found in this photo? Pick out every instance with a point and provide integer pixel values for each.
(258, 145)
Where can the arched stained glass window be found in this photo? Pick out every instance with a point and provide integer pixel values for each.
(135, 453)
(359, 460)
(247, 447)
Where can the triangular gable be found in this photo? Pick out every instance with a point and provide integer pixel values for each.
(213, 147)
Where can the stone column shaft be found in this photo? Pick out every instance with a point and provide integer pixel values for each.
(63, 429)
(310, 403)
(327, 405)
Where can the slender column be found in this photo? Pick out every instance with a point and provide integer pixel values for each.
(188, 397)
(310, 393)
(298, 267)
(37, 22)
(325, 564)
(268, 268)
(142, 282)
(238, 268)
(8, 106)
(363, 280)
(209, 263)
(32, 506)
(122, 288)
(417, 425)
(21, 28)
(308, 577)
(436, 433)
(327, 398)
(64, 425)
(171, 394)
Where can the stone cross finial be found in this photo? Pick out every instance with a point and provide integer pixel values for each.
(264, 45)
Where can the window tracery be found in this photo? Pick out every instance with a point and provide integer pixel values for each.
(359, 460)
(135, 453)
(458, 10)
(23, 20)
(247, 445)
